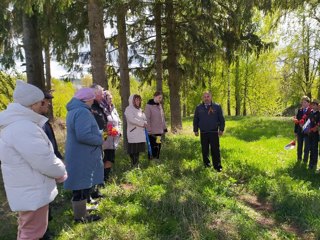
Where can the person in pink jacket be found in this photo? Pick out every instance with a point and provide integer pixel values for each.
(136, 124)
(156, 123)
(30, 169)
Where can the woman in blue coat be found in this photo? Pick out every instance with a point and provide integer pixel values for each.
(83, 155)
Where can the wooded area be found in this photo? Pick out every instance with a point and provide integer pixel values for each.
(257, 57)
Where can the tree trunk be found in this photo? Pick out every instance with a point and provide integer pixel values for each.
(48, 78)
(97, 42)
(33, 51)
(237, 86)
(123, 62)
(229, 91)
(174, 80)
(245, 89)
(47, 67)
(158, 56)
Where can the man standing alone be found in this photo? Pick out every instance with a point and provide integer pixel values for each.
(208, 117)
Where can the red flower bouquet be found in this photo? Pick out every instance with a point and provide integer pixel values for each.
(111, 131)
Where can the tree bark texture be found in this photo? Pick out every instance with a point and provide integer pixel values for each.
(237, 86)
(158, 56)
(97, 42)
(123, 63)
(33, 51)
(174, 80)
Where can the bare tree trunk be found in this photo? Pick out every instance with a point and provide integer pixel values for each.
(158, 56)
(48, 77)
(33, 51)
(174, 75)
(245, 89)
(47, 67)
(229, 91)
(123, 62)
(306, 60)
(97, 42)
(237, 86)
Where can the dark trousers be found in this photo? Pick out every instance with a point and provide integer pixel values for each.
(134, 159)
(303, 144)
(210, 139)
(155, 147)
(313, 140)
(79, 195)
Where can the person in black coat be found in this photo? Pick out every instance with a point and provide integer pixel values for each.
(208, 117)
(50, 133)
(302, 137)
(314, 134)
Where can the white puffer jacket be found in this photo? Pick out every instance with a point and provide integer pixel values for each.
(29, 165)
(135, 123)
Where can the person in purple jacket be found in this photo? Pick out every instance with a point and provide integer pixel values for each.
(208, 117)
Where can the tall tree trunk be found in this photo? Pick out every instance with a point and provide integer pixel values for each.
(48, 77)
(245, 89)
(33, 50)
(123, 62)
(47, 66)
(158, 56)
(174, 80)
(237, 86)
(229, 90)
(306, 60)
(97, 42)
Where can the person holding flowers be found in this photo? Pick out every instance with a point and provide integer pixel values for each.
(113, 133)
(301, 129)
(302, 137)
(101, 119)
(314, 134)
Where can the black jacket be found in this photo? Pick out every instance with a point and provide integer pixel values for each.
(208, 118)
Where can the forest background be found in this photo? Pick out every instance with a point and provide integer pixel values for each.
(257, 57)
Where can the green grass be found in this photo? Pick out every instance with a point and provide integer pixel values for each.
(261, 194)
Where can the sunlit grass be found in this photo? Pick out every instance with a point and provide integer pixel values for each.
(176, 198)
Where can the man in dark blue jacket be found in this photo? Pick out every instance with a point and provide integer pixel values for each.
(208, 117)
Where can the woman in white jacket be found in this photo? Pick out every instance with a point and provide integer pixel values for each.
(30, 169)
(136, 124)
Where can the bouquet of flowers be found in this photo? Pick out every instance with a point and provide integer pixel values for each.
(110, 130)
(302, 121)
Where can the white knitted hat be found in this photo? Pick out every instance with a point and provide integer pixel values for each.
(27, 94)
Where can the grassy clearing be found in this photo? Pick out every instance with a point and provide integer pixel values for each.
(261, 194)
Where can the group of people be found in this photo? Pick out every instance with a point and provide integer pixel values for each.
(306, 129)
(32, 164)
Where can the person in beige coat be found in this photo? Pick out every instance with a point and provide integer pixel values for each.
(136, 124)
(156, 123)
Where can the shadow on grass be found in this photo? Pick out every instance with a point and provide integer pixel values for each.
(252, 129)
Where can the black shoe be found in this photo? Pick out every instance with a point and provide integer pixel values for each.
(218, 169)
(87, 219)
(90, 200)
(96, 194)
(207, 165)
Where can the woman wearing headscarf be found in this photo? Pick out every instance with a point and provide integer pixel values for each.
(136, 124)
(83, 155)
(113, 129)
